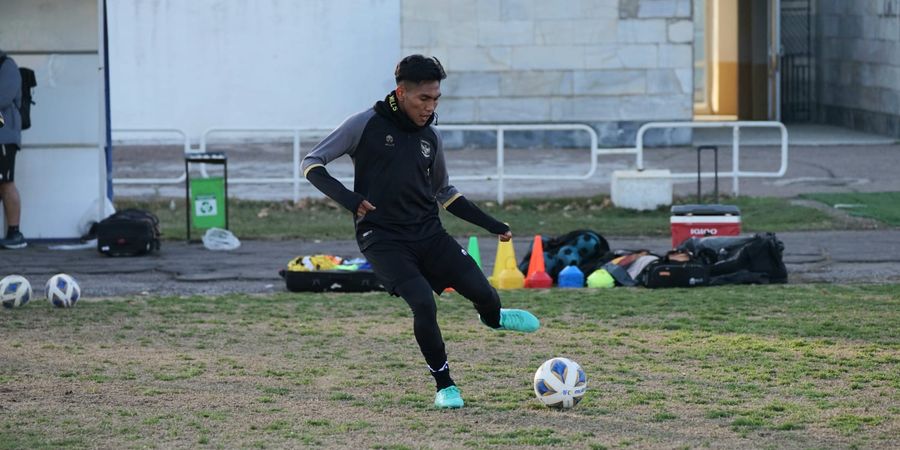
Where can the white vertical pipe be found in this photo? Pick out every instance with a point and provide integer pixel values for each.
(500, 146)
(296, 166)
(101, 132)
(735, 158)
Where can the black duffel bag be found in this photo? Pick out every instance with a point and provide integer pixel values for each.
(130, 232)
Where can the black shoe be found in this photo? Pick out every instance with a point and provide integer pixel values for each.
(14, 241)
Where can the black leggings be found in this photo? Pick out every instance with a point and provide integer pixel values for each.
(414, 270)
(418, 295)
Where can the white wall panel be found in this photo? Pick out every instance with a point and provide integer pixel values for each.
(202, 63)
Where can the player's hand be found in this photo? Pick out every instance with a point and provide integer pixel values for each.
(363, 208)
(505, 237)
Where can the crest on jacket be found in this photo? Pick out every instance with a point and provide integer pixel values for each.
(426, 148)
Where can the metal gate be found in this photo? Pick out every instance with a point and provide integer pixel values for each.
(796, 61)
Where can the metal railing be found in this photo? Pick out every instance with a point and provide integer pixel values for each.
(500, 174)
(296, 134)
(145, 131)
(736, 172)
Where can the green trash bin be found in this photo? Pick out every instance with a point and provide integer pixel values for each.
(208, 202)
(206, 199)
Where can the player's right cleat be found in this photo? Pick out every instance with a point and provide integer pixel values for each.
(518, 320)
(448, 398)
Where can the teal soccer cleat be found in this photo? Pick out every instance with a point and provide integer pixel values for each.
(518, 320)
(448, 398)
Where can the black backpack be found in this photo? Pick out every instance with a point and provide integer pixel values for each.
(130, 232)
(756, 259)
(584, 248)
(28, 83)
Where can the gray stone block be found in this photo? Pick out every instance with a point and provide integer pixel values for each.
(457, 110)
(657, 107)
(418, 33)
(602, 57)
(641, 31)
(471, 84)
(461, 34)
(456, 139)
(514, 110)
(505, 33)
(681, 31)
(658, 8)
(536, 83)
(556, 57)
(477, 58)
(516, 9)
(638, 56)
(665, 81)
(609, 82)
(628, 9)
(850, 27)
(575, 31)
(559, 9)
(679, 56)
(585, 109)
(684, 9)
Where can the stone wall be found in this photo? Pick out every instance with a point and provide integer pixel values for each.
(859, 64)
(612, 64)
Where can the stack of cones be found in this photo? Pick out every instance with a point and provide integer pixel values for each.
(537, 274)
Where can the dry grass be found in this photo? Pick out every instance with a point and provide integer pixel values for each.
(719, 367)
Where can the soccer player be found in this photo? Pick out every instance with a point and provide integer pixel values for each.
(399, 179)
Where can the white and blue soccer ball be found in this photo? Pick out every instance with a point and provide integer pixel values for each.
(560, 383)
(62, 290)
(15, 291)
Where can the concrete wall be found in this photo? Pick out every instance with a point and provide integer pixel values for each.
(859, 64)
(613, 64)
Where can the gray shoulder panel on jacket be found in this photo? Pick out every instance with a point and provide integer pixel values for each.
(343, 140)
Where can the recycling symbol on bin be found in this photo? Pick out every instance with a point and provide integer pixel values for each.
(205, 206)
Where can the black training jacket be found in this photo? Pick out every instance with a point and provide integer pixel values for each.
(398, 167)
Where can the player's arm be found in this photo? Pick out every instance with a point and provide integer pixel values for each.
(341, 141)
(456, 204)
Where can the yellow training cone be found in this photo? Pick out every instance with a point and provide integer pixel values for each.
(511, 277)
(505, 251)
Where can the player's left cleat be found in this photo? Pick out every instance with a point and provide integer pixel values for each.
(448, 398)
(517, 320)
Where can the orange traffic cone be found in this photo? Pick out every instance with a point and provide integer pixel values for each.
(537, 275)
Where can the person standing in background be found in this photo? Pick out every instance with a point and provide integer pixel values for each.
(10, 142)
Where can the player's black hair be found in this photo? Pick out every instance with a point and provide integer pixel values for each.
(418, 68)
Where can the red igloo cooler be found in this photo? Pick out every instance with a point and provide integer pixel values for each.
(704, 220)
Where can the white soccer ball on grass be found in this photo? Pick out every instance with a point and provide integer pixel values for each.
(560, 383)
(62, 290)
(15, 291)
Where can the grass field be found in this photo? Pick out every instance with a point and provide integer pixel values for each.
(790, 366)
(326, 220)
(881, 206)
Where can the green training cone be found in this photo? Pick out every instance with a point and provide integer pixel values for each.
(473, 250)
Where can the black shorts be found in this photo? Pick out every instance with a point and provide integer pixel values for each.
(439, 258)
(8, 162)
